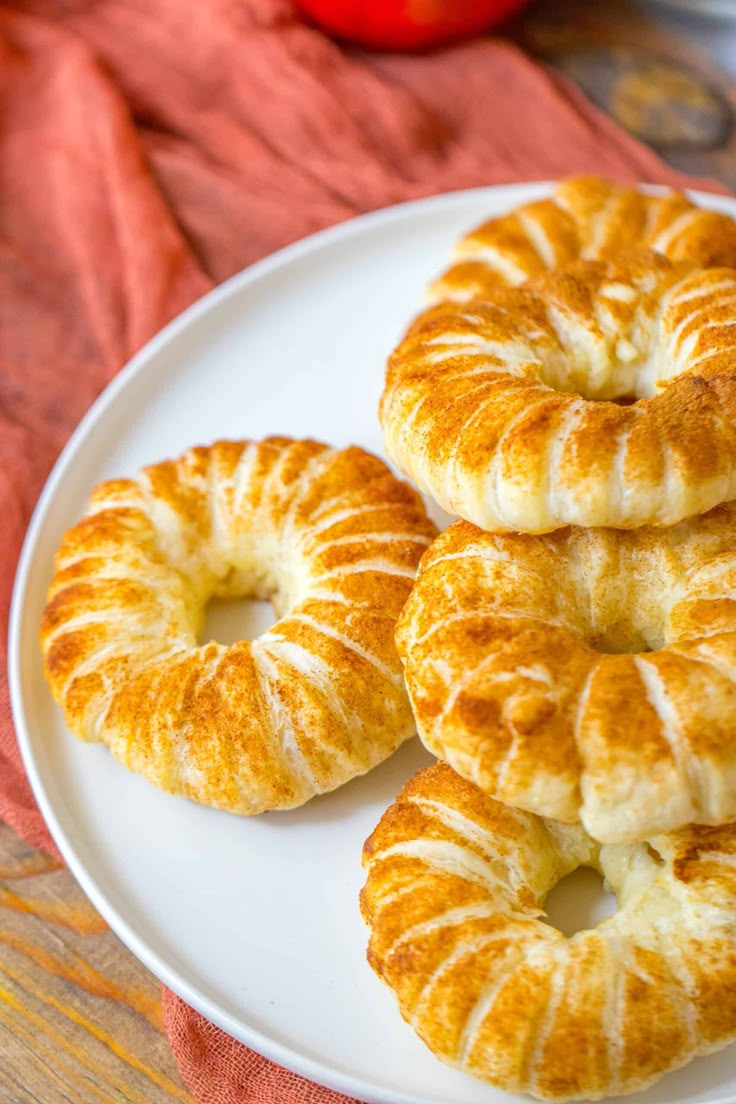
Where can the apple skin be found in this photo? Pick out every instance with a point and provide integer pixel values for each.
(407, 24)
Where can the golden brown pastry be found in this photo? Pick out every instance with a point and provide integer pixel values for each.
(454, 901)
(603, 394)
(330, 537)
(585, 217)
(586, 674)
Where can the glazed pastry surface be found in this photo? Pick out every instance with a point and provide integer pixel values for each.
(454, 900)
(600, 395)
(585, 217)
(589, 673)
(331, 537)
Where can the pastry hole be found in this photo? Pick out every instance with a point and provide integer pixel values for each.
(578, 902)
(228, 620)
(654, 855)
(625, 400)
(621, 640)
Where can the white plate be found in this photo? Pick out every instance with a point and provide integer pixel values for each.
(255, 922)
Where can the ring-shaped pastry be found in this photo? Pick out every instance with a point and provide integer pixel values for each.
(331, 537)
(585, 217)
(454, 900)
(588, 674)
(603, 394)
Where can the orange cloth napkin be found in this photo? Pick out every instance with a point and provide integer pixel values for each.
(151, 148)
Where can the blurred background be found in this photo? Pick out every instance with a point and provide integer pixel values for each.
(665, 70)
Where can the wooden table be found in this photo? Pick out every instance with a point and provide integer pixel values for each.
(80, 1018)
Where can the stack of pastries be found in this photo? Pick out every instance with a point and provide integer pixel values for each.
(569, 646)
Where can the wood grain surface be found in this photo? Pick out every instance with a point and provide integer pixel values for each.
(80, 1018)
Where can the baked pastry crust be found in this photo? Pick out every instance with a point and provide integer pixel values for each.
(586, 674)
(331, 537)
(603, 394)
(585, 217)
(454, 899)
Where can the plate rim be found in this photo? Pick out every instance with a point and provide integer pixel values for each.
(283, 1055)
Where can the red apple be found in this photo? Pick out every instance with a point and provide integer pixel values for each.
(407, 24)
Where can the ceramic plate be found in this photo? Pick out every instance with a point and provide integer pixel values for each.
(255, 922)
